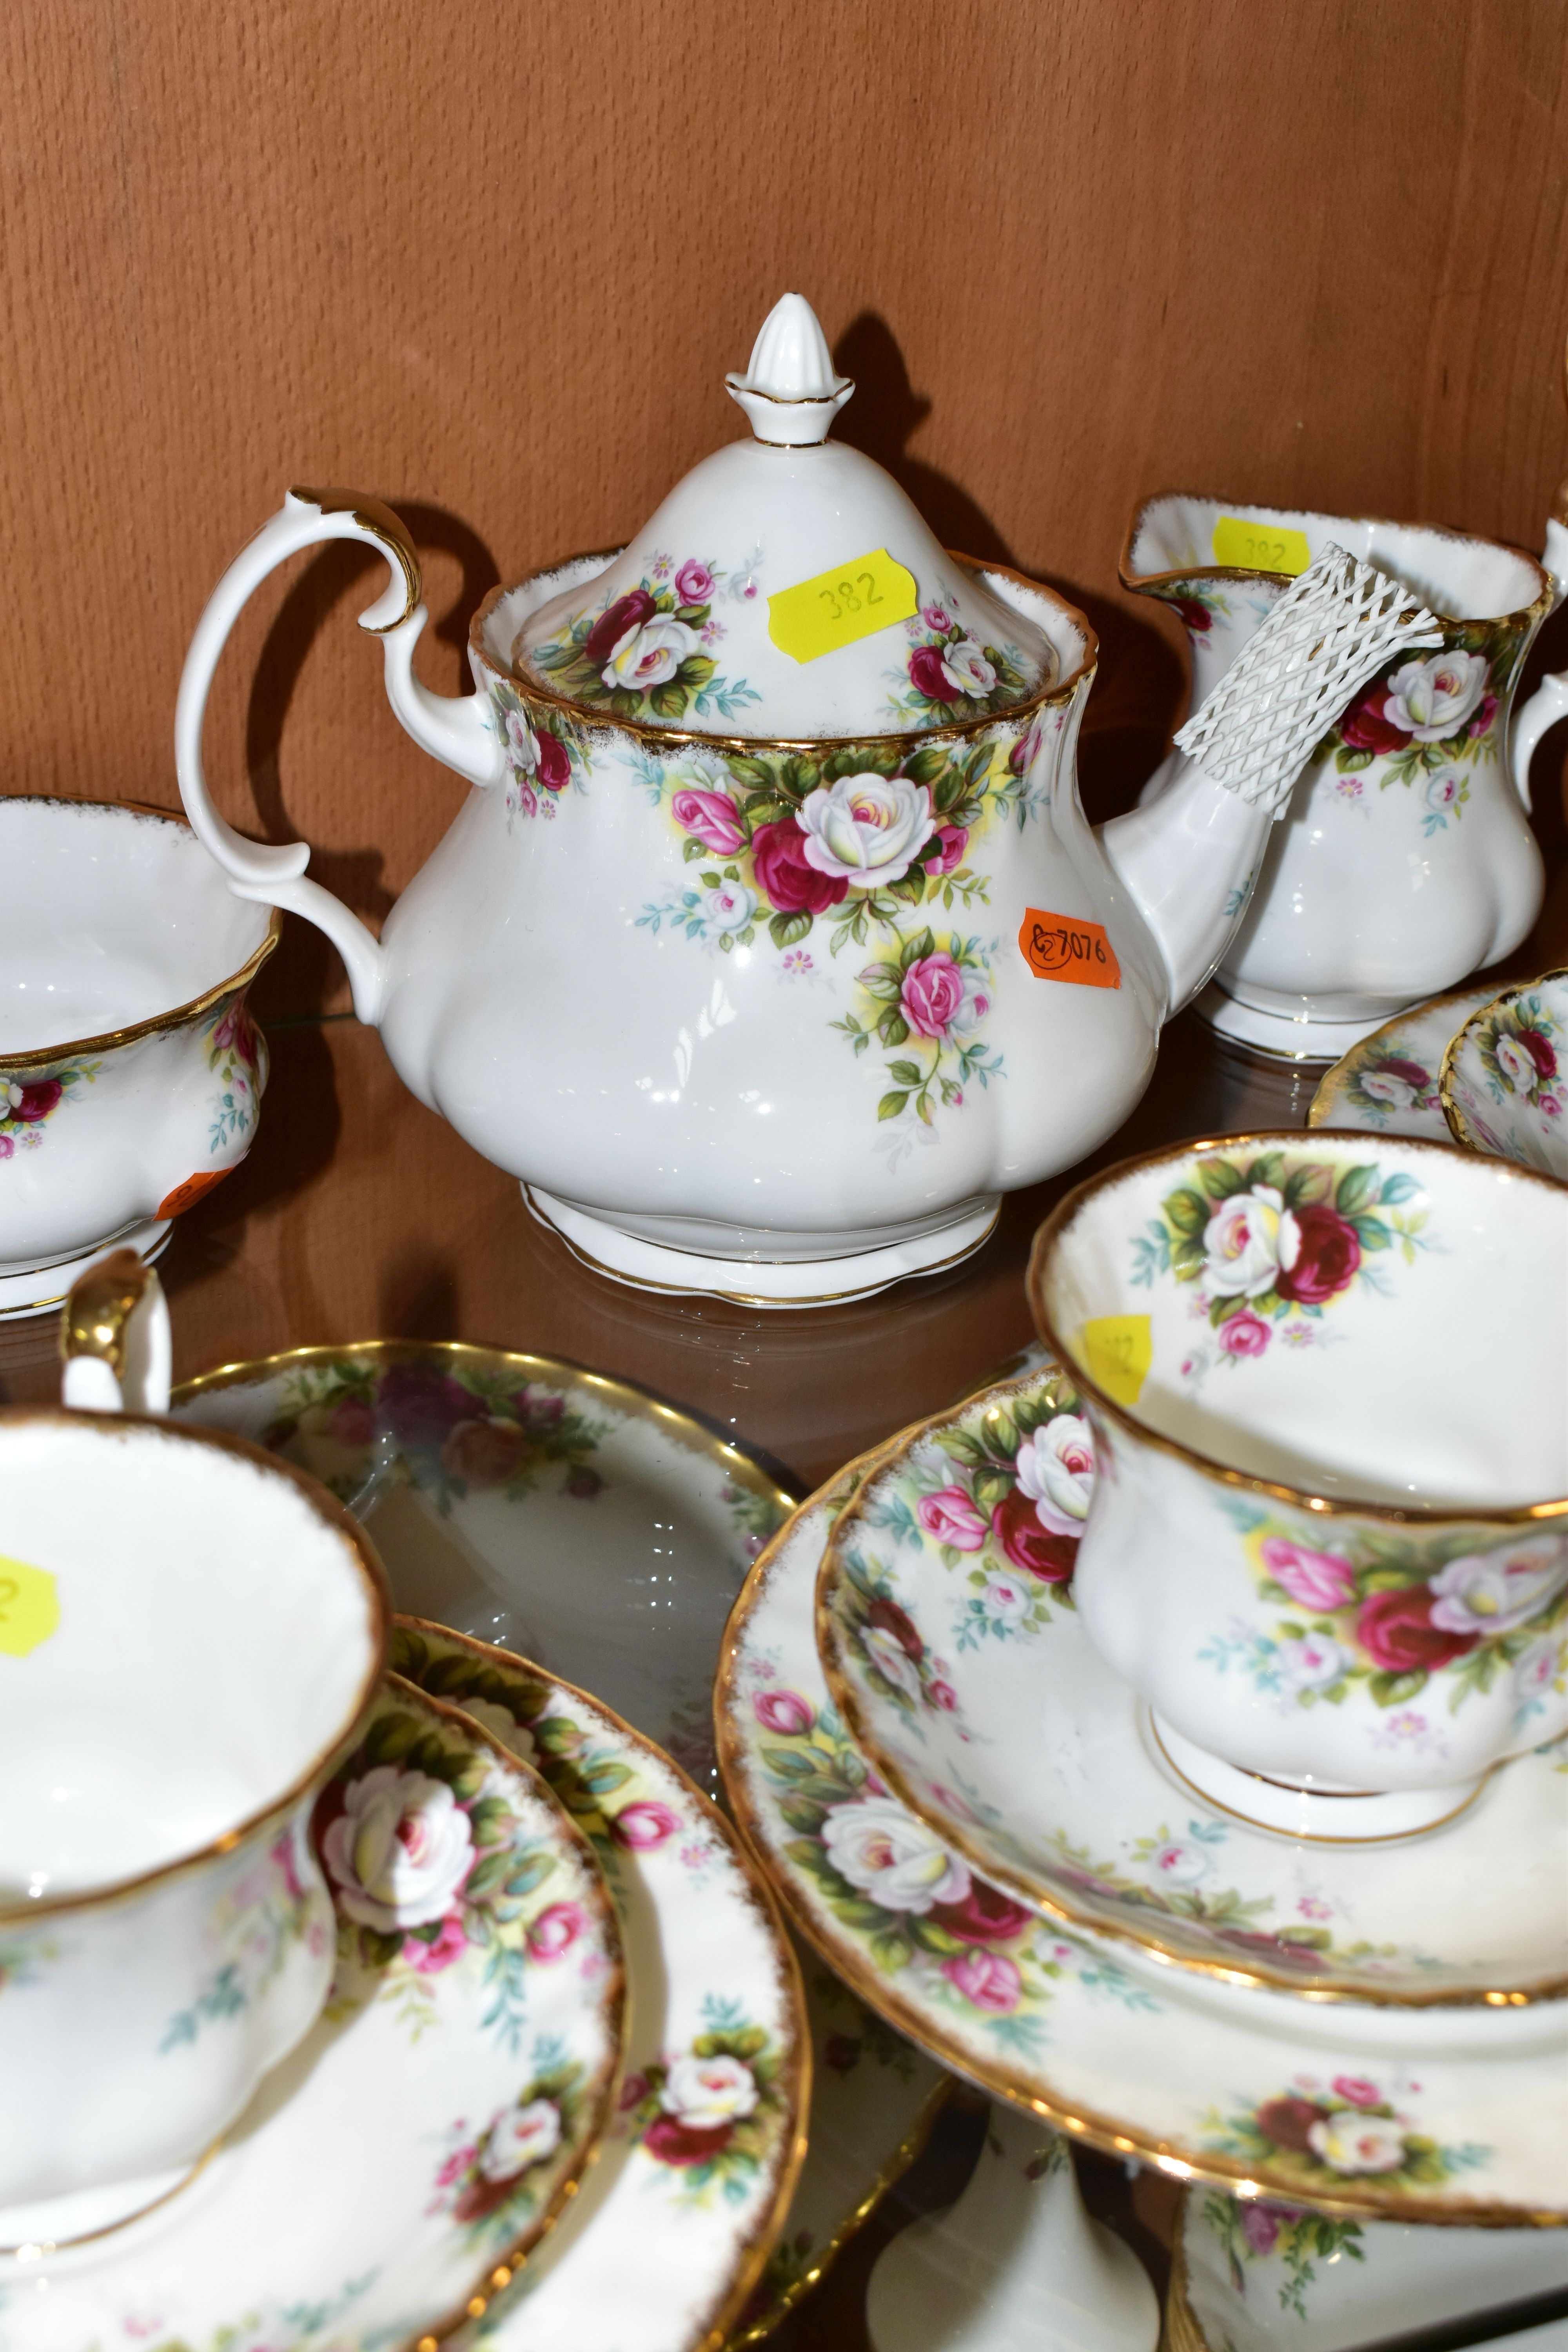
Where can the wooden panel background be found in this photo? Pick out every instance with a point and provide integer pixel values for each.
(493, 263)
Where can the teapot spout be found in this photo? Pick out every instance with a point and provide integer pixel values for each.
(1189, 860)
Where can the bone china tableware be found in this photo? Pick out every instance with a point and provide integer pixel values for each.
(189, 1633)
(1338, 1573)
(1503, 1083)
(396, 2169)
(950, 1640)
(1244, 2272)
(131, 1073)
(1388, 1084)
(1361, 2110)
(663, 2244)
(777, 808)
(1406, 859)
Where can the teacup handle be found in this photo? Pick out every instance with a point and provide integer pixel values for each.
(115, 1339)
(454, 729)
(1549, 703)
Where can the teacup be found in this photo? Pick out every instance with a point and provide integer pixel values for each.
(1328, 1380)
(1504, 1080)
(1405, 858)
(190, 1630)
(121, 936)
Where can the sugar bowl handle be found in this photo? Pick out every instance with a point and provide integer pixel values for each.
(114, 1337)
(454, 729)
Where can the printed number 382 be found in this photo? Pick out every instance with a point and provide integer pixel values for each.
(841, 598)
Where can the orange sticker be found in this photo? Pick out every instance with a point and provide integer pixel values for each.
(1068, 947)
(185, 1195)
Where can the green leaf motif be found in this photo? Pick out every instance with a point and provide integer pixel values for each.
(1356, 1188)
(891, 1105)
(1393, 1690)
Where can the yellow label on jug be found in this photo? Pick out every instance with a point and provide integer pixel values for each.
(854, 600)
(1260, 547)
(29, 1606)
(1118, 1351)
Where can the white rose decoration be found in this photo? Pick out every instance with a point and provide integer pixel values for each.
(1006, 1597)
(968, 669)
(868, 828)
(1310, 1664)
(891, 1658)
(1518, 1069)
(399, 1850)
(1493, 1592)
(646, 656)
(522, 2136)
(729, 908)
(707, 2092)
(884, 1851)
(1056, 1470)
(1431, 699)
(1387, 1086)
(975, 1007)
(522, 748)
(1178, 1864)
(1353, 2142)
(1539, 1672)
(1247, 1239)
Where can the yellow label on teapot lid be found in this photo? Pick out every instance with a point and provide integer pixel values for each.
(854, 600)
(29, 1606)
(1260, 547)
(1118, 1351)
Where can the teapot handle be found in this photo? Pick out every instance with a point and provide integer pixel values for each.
(454, 729)
(115, 1339)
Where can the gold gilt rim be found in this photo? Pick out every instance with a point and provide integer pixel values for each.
(610, 1999)
(1292, 1138)
(625, 1395)
(1459, 1126)
(1323, 1102)
(1182, 2330)
(1324, 1992)
(757, 1890)
(178, 1015)
(341, 1523)
(675, 739)
(1149, 584)
(1108, 2132)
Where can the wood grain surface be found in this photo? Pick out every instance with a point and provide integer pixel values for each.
(494, 264)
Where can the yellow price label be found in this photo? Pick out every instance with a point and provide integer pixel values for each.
(29, 1606)
(1260, 547)
(854, 600)
(1118, 1351)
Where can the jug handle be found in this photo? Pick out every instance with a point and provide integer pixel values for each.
(115, 1339)
(454, 729)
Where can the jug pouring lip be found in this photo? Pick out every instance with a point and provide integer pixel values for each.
(583, 717)
(1142, 583)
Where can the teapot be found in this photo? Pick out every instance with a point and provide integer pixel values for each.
(771, 944)
(1405, 858)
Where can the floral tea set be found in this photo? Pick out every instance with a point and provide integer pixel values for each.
(782, 796)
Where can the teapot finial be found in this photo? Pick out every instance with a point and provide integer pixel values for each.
(790, 392)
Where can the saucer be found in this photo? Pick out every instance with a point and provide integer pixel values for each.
(665, 2240)
(1503, 1083)
(953, 1652)
(573, 1518)
(1249, 2089)
(395, 2170)
(1388, 1083)
(1241, 2273)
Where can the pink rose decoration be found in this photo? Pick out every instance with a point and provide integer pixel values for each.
(935, 617)
(928, 674)
(1243, 1335)
(784, 1711)
(555, 1931)
(711, 817)
(643, 1823)
(932, 993)
(351, 1422)
(694, 583)
(954, 840)
(951, 1517)
(986, 1978)
(429, 1959)
(1484, 716)
(943, 1695)
(1357, 2090)
(1318, 1579)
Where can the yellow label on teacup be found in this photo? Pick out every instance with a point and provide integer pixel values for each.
(854, 600)
(29, 1606)
(1260, 547)
(1118, 1351)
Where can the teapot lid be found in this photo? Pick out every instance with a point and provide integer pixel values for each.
(788, 588)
